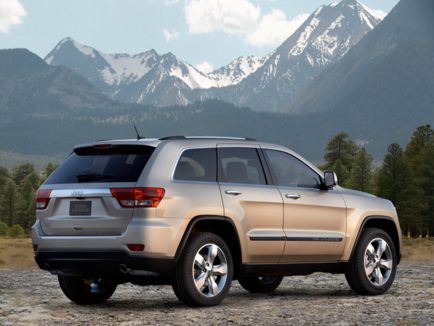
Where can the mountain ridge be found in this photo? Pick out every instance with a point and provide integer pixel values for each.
(322, 39)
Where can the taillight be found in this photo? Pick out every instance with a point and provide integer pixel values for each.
(136, 246)
(102, 146)
(138, 197)
(42, 198)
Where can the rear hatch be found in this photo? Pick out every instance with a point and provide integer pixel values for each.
(78, 194)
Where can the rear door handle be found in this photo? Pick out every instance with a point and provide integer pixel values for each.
(233, 192)
(293, 196)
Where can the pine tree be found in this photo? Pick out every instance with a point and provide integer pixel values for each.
(394, 182)
(419, 139)
(339, 156)
(8, 203)
(394, 175)
(426, 183)
(419, 156)
(48, 170)
(22, 171)
(340, 147)
(4, 176)
(361, 171)
(341, 171)
(25, 207)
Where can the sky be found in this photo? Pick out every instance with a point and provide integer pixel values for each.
(205, 33)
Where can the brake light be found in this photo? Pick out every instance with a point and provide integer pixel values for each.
(138, 197)
(42, 198)
(136, 246)
(102, 146)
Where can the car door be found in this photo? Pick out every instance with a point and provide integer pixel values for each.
(252, 203)
(314, 219)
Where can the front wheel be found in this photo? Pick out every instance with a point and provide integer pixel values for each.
(372, 268)
(203, 275)
(260, 284)
(87, 290)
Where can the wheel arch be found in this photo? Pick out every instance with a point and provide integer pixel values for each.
(384, 223)
(222, 226)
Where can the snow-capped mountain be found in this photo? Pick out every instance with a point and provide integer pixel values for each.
(131, 78)
(147, 77)
(324, 38)
(111, 69)
(237, 70)
(270, 83)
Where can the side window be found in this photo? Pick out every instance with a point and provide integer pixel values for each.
(197, 165)
(291, 172)
(240, 165)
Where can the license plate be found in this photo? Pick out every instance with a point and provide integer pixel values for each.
(80, 208)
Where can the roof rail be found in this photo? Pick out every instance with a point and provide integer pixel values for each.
(206, 137)
(171, 137)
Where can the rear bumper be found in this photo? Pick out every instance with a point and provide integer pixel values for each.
(100, 263)
(161, 237)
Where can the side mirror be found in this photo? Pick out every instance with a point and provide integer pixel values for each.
(330, 179)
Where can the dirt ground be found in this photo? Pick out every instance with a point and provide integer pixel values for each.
(33, 297)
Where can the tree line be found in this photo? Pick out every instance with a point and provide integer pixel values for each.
(406, 177)
(17, 197)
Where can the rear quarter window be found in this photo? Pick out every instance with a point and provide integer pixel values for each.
(115, 164)
(198, 164)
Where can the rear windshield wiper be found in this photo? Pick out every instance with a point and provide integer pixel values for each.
(94, 177)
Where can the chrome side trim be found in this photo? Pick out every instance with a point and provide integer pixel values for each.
(267, 238)
(327, 239)
(277, 238)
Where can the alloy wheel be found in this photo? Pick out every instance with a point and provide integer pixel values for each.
(378, 262)
(210, 270)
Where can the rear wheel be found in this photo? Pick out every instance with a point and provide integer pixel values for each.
(203, 275)
(372, 268)
(260, 284)
(87, 290)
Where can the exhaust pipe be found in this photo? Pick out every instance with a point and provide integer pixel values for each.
(135, 272)
(124, 269)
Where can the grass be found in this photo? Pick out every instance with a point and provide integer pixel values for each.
(18, 253)
(418, 249)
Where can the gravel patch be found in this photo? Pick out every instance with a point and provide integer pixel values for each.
(33, 297)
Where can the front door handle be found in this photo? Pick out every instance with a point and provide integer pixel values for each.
(233, 192)
(293, 196)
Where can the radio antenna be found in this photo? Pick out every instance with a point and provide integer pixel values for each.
(137, 133)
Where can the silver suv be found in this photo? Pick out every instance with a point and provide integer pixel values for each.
(199, 212)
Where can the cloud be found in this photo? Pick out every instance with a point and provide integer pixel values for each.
(170, 35)
(11, 13)
(242, 18)
(229, 16)
(204, 67)
(170, 2)
(274, 28)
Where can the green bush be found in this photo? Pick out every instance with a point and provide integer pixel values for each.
(16, 231)
(4, 229)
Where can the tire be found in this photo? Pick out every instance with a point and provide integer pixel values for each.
(197, 282)
(260, 284)
(87, 291)
(372, 268)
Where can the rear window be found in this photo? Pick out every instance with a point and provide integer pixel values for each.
(115, 164)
